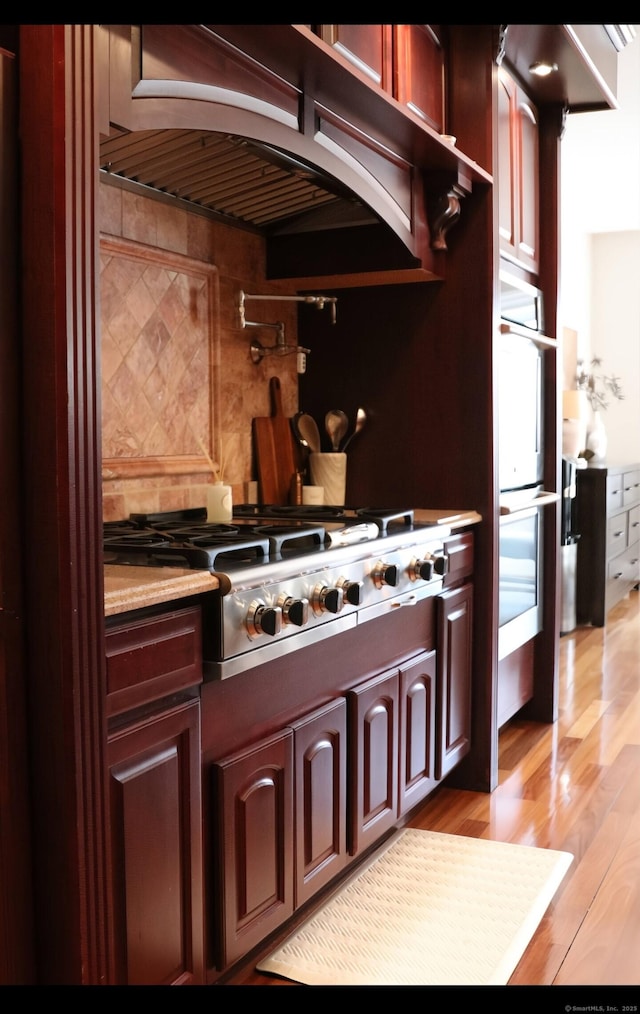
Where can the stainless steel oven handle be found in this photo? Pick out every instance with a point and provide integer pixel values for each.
(410, 598)
(541, 500)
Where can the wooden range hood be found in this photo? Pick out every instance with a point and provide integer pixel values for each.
(289, 152)
(271, 129)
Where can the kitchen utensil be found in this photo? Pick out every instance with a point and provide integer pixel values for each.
(308, 429)
(274, 450)
(301, 443)
(361, 418)
(336, 425)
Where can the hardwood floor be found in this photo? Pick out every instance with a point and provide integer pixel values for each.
(573, 786)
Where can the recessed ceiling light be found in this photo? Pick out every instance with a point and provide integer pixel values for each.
(542, 68)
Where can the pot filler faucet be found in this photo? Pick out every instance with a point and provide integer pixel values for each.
(281, 348)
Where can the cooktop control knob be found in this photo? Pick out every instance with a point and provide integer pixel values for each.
(326, 600)
(385, 573)
(295, 611)
(421, 569)
(351, 590)
(441, 564)
(426, 568)
(263, 619)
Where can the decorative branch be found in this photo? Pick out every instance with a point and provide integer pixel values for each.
(599, 387)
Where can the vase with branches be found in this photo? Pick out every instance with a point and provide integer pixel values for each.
(599, 387)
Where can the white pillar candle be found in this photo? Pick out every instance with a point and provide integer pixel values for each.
(219, 503)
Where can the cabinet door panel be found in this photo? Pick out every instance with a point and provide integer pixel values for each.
(454, 678)
(419, 72)
(529, 210)
(254, 802)
(156, 827)
(518, 174)
(417, 730)
(321, 797)
(374, 752)
(368, 47)
(506, 163)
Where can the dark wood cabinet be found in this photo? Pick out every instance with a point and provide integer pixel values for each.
(454, 678)
(253, 798)
(417, 736)
(320, 762)
(154, 664)
(454, 661)
(607, 519)
(394, 724)
(374, 759)
(518, 174)
(280, 807)
(152, 656)
(289, 810)
(407, 61)
(156, 849)
(367, 47)
(293, 809)
(419, 68)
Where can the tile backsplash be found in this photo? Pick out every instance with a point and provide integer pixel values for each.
(176, 368)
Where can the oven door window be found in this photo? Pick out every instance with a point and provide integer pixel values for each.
(519, 580)
(520, 402)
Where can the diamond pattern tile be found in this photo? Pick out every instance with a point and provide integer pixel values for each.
(157, 396)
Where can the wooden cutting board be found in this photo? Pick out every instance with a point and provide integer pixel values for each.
(275, 450)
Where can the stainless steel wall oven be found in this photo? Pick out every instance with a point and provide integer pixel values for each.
(520, 579)
(521, 349)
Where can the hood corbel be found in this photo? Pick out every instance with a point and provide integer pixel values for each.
(445, 192)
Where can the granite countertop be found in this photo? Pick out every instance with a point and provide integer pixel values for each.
(128, 588)
(441, 516)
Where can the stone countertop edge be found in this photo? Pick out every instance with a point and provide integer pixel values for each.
(127, 588)
(441, 516)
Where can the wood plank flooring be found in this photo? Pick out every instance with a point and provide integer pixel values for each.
(574, 786)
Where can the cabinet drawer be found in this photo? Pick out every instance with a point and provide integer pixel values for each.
(633, 525)
(631, 488)
(150, 658)
(616, 534)
(625, 568)
(459, 550)
(615, 486)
